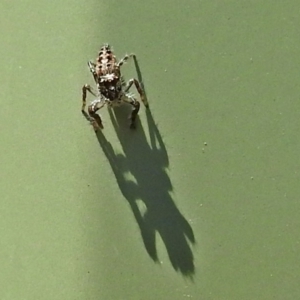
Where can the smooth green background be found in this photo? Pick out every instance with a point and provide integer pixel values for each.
(82, 215)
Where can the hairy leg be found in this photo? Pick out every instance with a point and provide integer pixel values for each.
(139, 89)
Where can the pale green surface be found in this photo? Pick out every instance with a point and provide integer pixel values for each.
(220, 72)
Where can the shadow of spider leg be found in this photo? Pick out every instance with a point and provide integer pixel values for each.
(139, 89)
(92, 116)
(136, 107)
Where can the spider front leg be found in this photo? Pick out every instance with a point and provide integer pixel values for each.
(136, 107)
(92, 68)
(92, 116)
(86, 88)
(139, 89)
(95, 119)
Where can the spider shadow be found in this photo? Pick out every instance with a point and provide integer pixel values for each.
(149, 193)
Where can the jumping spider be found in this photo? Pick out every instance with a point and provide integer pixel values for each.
(112, 89)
